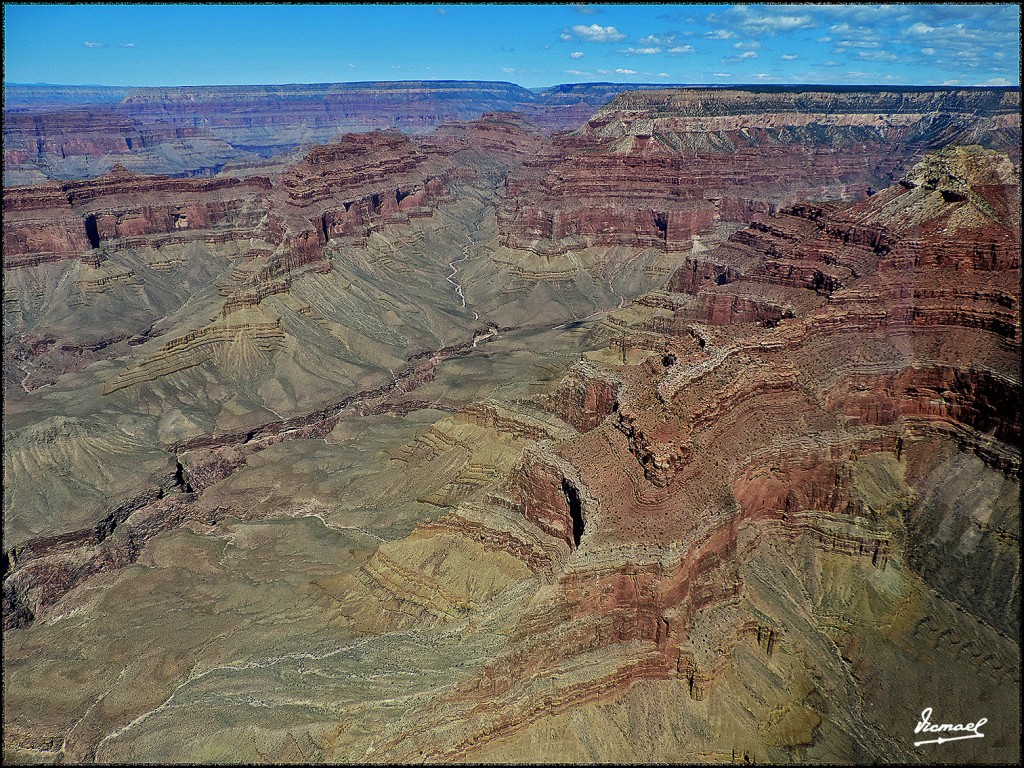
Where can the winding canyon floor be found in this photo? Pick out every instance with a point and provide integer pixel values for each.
(259, 572)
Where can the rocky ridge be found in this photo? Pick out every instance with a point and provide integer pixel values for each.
(654, 168)
(762, 441)
(73, 132)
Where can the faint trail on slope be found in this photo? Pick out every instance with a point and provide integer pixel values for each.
(259, 664)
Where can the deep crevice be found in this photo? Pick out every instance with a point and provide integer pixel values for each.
(572, 498)
(661, 222)
(92, 231)
(181, 481)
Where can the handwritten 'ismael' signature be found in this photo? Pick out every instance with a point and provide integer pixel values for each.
(926, 726)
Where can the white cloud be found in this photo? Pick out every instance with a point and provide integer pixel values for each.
(643, 51)
(755, 20)
(876, 56)
(856, 37)
(586, 10)
(598, 34)
(566, 36)
(825, 39)
(967, 39)
(666, 39)
(753, 45)
(720, 34)
(663, 74)
(722, 74)
(508, 70)
(441, 11)
(789, 57)
(576, 72)
(681, 49)
(90, 44)
(625, 71)
(858, 44)
(576, 55)
(872, 14)
(748, 55)
(126, 45)
(997, 81)
(951, 82)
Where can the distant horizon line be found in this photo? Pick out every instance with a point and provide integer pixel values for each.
(527, 88)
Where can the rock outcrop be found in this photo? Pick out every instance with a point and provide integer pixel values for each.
(815, 428)
(80, 219)
(654, 168)
(69, 132)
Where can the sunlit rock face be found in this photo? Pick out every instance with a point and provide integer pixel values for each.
(713, 455)
(76, 132)
(653, 168)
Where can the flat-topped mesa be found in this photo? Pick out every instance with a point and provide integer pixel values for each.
(729, 120)
(93, 133)
(344, 188)
(425, 103)
(805, 104)
(507, 136)
(654, 167)
(351, 186)
(198, 130)
(121, 209)
(356, 162)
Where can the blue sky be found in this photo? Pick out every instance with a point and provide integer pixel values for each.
(538, 45)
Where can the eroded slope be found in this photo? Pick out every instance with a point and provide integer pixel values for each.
(767, 513)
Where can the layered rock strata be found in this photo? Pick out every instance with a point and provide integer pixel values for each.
(813, 428)
(771, 504)
(76, 132)
(654, 168)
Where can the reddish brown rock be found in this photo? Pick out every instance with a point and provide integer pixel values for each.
(77, 132)
(71, 219)
(810, 377)
(763, 432)
(585, 397)
(653, 168)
